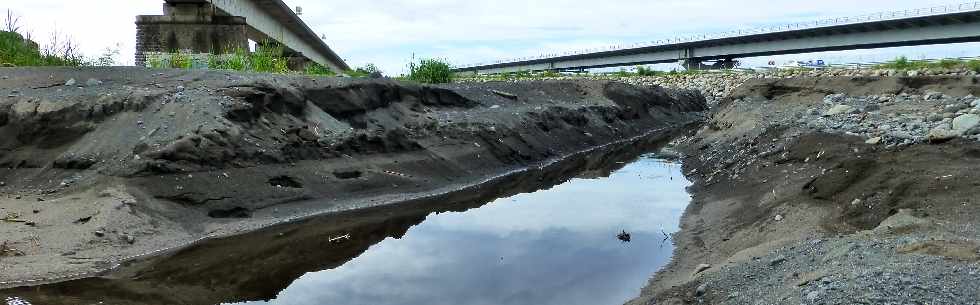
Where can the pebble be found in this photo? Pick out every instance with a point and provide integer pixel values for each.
(778, 218)
(70, 82)
(874, 141)
(701, 289)
(91, 82)
(99, 233)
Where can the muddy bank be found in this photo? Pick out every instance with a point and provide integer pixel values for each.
(798, 202)
(125, 162)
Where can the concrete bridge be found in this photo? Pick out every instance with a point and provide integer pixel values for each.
(221, 26)
(936, 25)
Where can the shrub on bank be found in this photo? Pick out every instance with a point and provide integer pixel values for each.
(903, 63)
(431, 71)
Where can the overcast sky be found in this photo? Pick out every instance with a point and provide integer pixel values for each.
(388, 32)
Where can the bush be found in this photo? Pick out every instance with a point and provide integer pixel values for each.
(364, 71)
(622, 73)
(644, 71)
(973, 65)
(318, 69)
(430, 71)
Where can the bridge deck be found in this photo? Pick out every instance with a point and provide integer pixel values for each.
(960, 26)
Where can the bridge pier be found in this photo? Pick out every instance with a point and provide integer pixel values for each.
(188, 27)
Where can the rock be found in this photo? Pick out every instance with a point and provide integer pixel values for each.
(966, 122)
(952, 108)
(504, 94)
(840, 109)
(701, 268)
(100, 233)
(813, 296)
(872, 107)
(935, 117)
(778, 218)
(129, 239)
(975, 103)
(940, 134)
(701, 289)
(833, 99)
(494, 106)
(933, 95)
(873, 141)
(70, 82)
(3, 183)
(180, 88)
(777, 260)
(91, 82)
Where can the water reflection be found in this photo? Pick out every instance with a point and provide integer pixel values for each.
(557, 246)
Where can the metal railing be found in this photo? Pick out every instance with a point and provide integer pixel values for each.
(876, 17)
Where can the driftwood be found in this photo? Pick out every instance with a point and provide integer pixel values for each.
(339, 238)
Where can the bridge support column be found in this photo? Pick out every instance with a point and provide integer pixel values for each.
(188, 27)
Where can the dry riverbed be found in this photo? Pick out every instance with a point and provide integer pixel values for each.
(837, 190)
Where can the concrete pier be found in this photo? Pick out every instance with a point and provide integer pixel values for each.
(189, 28)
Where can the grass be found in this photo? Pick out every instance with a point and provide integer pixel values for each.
(267, 59)
(903, 63)
(431, 71)
(18, 51)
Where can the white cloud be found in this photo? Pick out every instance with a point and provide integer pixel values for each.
(388, 32)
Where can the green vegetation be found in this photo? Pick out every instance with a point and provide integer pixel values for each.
(19, 51)
(431, 71)
(363, 71)
(267, 59)
(903, 63)
(318, 69)
(644, 71)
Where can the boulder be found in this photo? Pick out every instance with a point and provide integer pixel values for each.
(966, 122)
(840, 109)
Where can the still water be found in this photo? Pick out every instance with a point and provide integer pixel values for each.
(545, 236)
(555, 246)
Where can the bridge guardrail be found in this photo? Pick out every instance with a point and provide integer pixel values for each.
(883, 16)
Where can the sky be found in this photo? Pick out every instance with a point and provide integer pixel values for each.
(388, 32)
